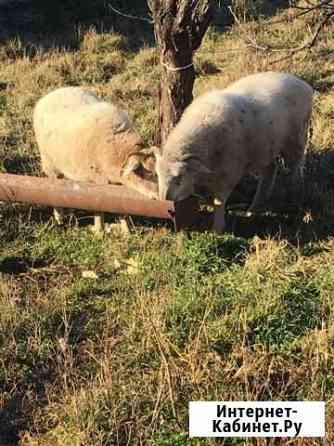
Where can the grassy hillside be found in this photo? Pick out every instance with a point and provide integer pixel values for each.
(112, 356)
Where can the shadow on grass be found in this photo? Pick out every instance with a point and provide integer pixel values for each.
(310, 219)
(16, 415)
(18, 265)
(21, 165)
(43, 25)
(10, 418)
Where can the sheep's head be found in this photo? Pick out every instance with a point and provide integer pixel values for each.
(149, 159)
(139, 173)
(178, 179)
(140, 161)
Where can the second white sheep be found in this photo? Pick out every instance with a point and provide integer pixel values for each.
(83, 138)
(225, 134)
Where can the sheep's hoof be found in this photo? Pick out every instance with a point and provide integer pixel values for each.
(253, 210)
(218, 228)
(218, 231)
(122, 227)
(217, 202)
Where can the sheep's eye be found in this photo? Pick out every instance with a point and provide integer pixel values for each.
(178, 181)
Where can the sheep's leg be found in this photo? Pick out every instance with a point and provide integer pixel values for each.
(264, 188)
(124, 226)
(219, 222)
(296, 184)
(297, 174)
(98, 227)
(58, 214)
(294, 160)
(72, 218)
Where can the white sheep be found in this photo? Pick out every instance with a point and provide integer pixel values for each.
(225, 134)
(83, 138)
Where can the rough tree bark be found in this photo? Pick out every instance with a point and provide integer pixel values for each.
(179, 27)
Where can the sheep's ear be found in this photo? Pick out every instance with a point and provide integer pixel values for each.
(156, 152)
(132, 164)
(121, 127)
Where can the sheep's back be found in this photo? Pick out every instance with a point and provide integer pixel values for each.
(56, 111)
(282, 105)
(244, 126)
(80, 137)
(213, 123)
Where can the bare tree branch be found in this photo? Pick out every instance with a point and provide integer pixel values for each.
(129, 16)
(311, 42)
(251, 42)
(326, 12)
(306, 10)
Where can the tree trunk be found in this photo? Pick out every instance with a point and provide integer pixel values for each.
(179, 27)
(175, 94)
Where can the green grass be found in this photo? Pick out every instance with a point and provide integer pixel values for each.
(104, 341)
